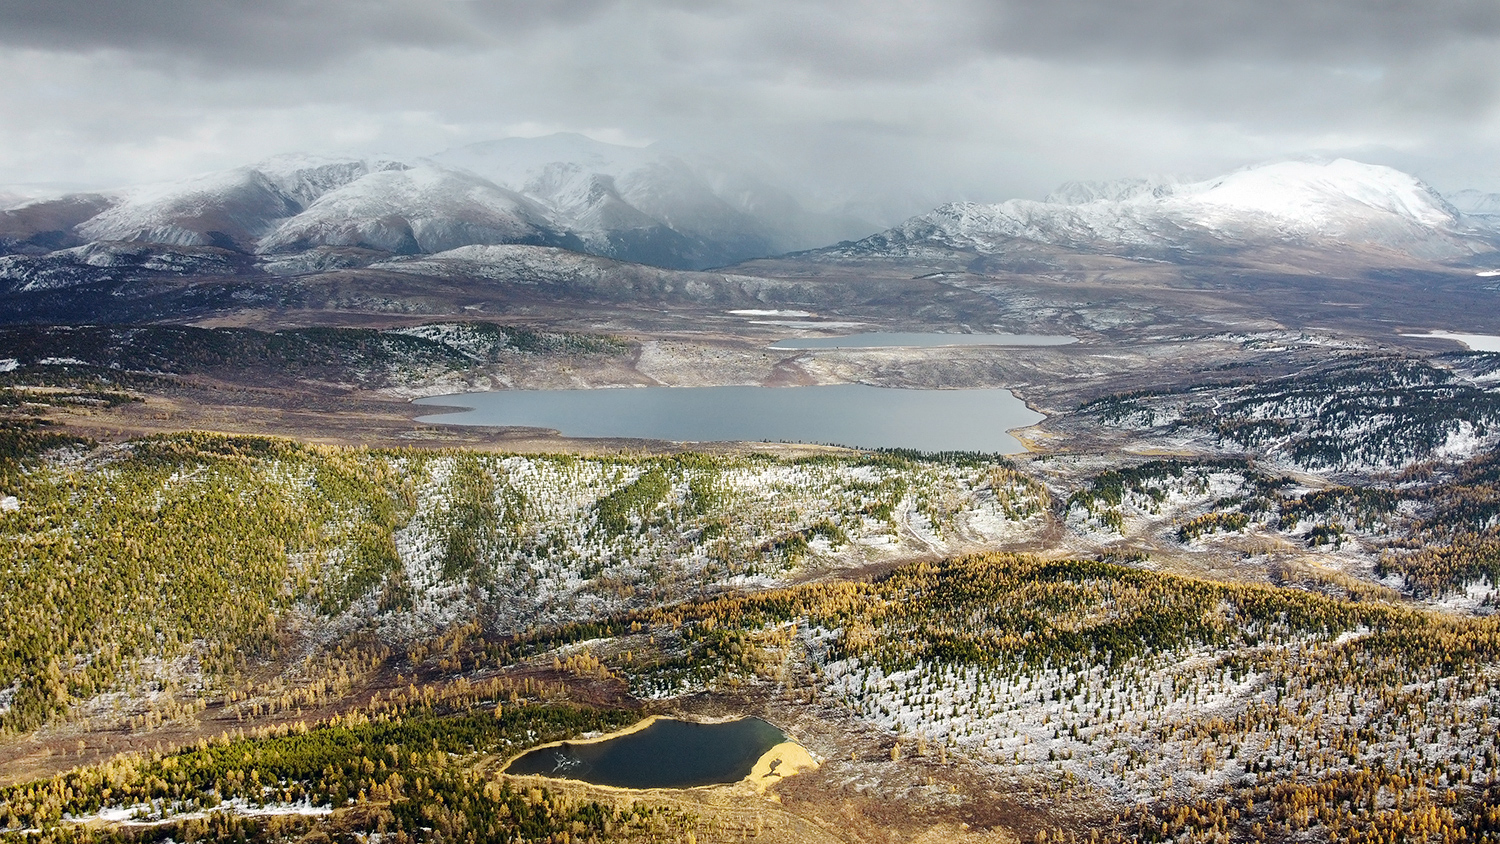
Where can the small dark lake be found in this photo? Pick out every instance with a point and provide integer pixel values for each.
(923, 340)
(842, 414)
(667, 754)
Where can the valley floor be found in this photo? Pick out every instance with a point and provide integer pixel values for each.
(1240, 589)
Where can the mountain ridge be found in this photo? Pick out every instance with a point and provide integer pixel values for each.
(298, 214)
(1284, 203)
(639, 205)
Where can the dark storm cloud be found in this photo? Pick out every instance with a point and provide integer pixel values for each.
(890, 36)
(933, 98)
(274, 32)
(1213, 30)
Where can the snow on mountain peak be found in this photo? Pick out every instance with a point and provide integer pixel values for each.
(1293, 202)
(307, 177)
(646, 205)
(417, 209)
(227, 208)
(653, 206)
(1321, 196)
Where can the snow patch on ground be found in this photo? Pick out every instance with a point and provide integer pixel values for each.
(770, 312)
(1472, 342)
(159, 813)
(1476, 597)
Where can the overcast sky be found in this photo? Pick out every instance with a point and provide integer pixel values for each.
(875, 99)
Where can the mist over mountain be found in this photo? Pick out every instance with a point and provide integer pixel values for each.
(295, 215)
(1476, 203)
(642, 205)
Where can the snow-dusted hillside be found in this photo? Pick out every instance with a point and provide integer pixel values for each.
(414, 210)
(1294, 203)
(232, 209)
(573, 274)
(516, 263)
(94, 263)
(38, 226)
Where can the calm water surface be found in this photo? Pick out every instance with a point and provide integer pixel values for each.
(667, 754)
(845, 414)
(896, 339)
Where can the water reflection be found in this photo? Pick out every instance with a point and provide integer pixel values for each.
(845, 414)
(666, 754)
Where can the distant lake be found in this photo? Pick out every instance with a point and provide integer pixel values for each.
(843, 414)
(897, 339)
(666, 754)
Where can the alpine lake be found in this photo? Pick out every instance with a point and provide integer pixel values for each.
(855, 415)
(666, 753)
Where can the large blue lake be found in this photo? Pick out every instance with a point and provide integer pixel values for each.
(842, 414)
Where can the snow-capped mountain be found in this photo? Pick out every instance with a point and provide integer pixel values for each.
(293, 215)
(305, 213)
(413, 210)
(299, 203)
(1287, 203)
(231, 209)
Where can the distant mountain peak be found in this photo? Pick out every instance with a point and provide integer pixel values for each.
(1475, 203)
(1291, 202)
(1323, 193)
(656, 206)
